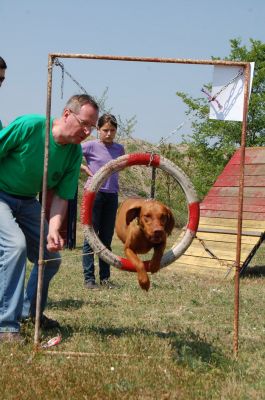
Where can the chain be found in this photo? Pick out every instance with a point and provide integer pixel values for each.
(163, 140)
(240, 72)
(221, 262)
(210, 98)
(60, 64)
(214, 97)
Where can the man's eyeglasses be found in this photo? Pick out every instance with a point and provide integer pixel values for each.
(84, 124)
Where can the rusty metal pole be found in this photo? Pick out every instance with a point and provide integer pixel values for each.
(151, 59)
(41, 265)
(243, 64)
(153, 183)
(240, 208)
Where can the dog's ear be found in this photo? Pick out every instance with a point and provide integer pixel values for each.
(132, 213)
(170, 224)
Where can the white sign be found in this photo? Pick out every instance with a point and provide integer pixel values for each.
(226, 99)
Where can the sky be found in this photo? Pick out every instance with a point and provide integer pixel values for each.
(187, 29)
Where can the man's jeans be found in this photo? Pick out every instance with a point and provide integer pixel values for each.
(103, 219)
(19, 240)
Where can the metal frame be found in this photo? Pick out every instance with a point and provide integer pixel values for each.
(245, 65)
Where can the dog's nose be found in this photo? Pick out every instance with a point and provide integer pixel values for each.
(158, 232)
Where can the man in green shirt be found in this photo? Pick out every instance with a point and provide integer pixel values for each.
(3, 68)
(21, 175)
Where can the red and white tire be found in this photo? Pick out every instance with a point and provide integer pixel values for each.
(118, 164)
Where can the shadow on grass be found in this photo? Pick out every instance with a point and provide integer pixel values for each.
(193, 350)
(254, 272)
(188, 348)
(66, 304)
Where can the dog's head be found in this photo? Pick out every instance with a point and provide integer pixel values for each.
(154, 218)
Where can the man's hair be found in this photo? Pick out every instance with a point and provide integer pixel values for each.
(2, 63)
(78, 100)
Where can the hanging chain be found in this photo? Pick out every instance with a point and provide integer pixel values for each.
(222, 263)
(60, 64)
(240, 72)
(210, 98)
(163, 140)
(214, 97)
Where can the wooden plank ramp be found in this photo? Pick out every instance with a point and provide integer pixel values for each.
(213, 251)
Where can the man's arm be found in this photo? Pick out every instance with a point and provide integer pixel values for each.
(57, 214)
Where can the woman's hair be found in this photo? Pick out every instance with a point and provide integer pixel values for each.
(78, 100)
(107, 118)
(2, 63)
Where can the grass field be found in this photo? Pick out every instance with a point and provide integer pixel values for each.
(175, 342)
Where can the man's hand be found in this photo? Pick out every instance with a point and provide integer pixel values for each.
(54, 241)
(57, 213)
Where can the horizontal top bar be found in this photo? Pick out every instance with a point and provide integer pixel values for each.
(150, 59)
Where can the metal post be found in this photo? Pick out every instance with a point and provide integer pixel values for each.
(243, 64)
(43, 206)
(153, 183)
(240, 208)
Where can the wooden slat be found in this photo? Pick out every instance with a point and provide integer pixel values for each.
(253, 201)
(232, 214)
(250, 169)
(233, 191)
(253, 155)
(233, 180)
(257, 225)
(221, 246)
(226, 238)
(232, 232)
(205, 262)
(226, 253)
(185, 268)
(231, 207)
(209, 270)
(219, 228)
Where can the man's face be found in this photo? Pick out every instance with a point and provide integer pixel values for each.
(78, 126)
(2, 75)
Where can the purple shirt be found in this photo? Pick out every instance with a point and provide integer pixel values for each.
(98, 154)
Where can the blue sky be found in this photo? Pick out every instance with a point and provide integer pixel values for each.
(31, 29)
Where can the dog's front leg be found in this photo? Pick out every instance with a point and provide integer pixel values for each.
(157, 256)
(143, 279)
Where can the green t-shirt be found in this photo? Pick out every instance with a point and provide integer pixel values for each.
(1, 126)
(22, 159)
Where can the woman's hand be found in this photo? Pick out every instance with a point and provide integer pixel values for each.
(84, 168)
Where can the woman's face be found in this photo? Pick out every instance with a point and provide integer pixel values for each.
(107, 133)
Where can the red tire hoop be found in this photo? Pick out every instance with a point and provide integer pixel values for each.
(118, 164)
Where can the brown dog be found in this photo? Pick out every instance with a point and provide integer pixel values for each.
(154, 222)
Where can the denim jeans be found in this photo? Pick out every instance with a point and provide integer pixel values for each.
(19, 240)
(103, 219)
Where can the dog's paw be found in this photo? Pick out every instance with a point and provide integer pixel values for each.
(144, 281)
(154, 267)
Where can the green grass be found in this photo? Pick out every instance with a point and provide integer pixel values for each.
(174, 342)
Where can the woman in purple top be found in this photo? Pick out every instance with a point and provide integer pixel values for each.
(97, 153)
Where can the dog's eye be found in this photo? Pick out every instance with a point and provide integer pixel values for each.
(147, 217)
(163, 218)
